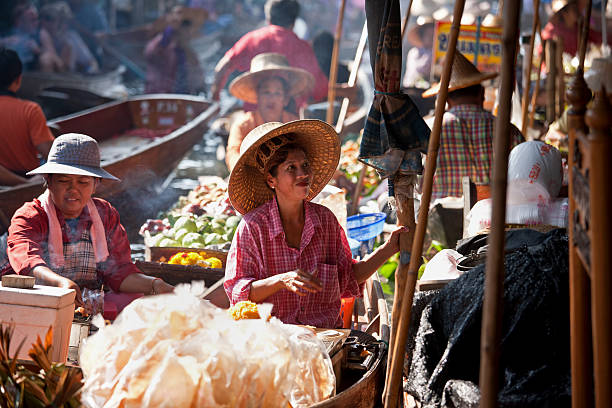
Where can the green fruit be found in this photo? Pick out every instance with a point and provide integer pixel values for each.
(167, 242)
(212, 239)
(169, 233)
(191, 238)
(156, 239)
(180, 234)
(185, 222)
(198, 245)
(233, 221)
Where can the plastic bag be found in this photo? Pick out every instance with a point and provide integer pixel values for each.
(178, 351)
(442, 266)
(535, 173)
(93, 301)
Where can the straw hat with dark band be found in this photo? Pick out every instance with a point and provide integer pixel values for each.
(267, 65)
(247, 187)
(463, 75)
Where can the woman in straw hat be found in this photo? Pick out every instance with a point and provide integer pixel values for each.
(466, 147)
(288, 251)
(271, 83)
(69, 239)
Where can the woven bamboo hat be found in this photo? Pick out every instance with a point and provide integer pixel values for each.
(463, 75)
(247, 186)
(415, 33)
(267, 65)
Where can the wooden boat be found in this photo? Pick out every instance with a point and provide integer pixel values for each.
(137, 161)
(106, 84)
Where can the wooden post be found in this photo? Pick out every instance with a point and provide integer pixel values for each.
(560, 79)
(599, 119)
(333, 69)
(353, 77)
(405, 216)
(536, 92)
(394, 379)
(357, 192)
(551, 64)
(406, 18)
(584, 37)
(527, 75)
(494, 280)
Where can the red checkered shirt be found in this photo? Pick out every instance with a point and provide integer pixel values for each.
(259, 250)
(466, 149)
(29, 231)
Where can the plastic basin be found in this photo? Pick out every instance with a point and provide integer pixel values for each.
(363, 227)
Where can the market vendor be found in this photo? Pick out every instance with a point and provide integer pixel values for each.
(288, 251)
(67, 238)
(270, 84)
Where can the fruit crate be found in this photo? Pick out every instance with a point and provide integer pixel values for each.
(175, 274)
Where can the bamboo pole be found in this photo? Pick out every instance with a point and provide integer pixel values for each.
(405, 216)
(551, 65)
(536, 92)
(584, 37)
(560, 80)
(353, 77)
(333, 69)
(406, 18)
(357, 192)
(536, 22)
(494, 278)
(394, 377)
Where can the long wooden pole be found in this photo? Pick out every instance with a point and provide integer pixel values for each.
(394, 378)
(405, 217)
(584, 37)
(333, 69)
(536, 92)
(493, 296)
(527, 76)
(406, 18)
(353, 77)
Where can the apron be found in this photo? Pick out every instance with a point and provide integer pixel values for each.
(80, 267)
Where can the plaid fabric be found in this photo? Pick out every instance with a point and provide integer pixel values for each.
(80, 262)
(259, 250)
(395, 134)
(466, 149)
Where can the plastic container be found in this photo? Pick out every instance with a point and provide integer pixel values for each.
(364, 227)
(347, 311)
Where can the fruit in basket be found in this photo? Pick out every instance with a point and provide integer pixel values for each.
(168, 242)
(187, 223)
(192, 238)
(213, 238)
(156, 239)
(232, 221)
(180, 234)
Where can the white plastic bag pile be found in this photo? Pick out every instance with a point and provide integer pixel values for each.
(178, 351)
(535, 175)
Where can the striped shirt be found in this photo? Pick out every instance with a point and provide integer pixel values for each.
(466, 149)
(259, 250)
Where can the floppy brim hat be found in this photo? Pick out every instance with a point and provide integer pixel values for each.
(463, 75)
(267, 65)
(74, 153)
(247, 186)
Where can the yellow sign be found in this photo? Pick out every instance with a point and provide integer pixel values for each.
(489, 45)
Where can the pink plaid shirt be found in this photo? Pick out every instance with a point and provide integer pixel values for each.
(466, 149)
(259, 250)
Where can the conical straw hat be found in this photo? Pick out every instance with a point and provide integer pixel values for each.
(463, 75)
(267, 65)
(247, 186)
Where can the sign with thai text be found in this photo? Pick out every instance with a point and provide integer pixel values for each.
(488, 42)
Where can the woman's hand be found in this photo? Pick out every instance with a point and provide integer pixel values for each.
(69, 284)
(160, 287)
(393, 241)
(299, 282)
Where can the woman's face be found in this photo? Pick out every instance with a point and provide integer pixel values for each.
(293, 177)
(271, 99)
(70, 192)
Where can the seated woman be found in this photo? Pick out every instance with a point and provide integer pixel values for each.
(271, 83)
(288, 251)
(68, 239)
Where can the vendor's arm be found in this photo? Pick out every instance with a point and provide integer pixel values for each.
(364, 269)
(44, 275)
(298, 282)
(118, 270)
